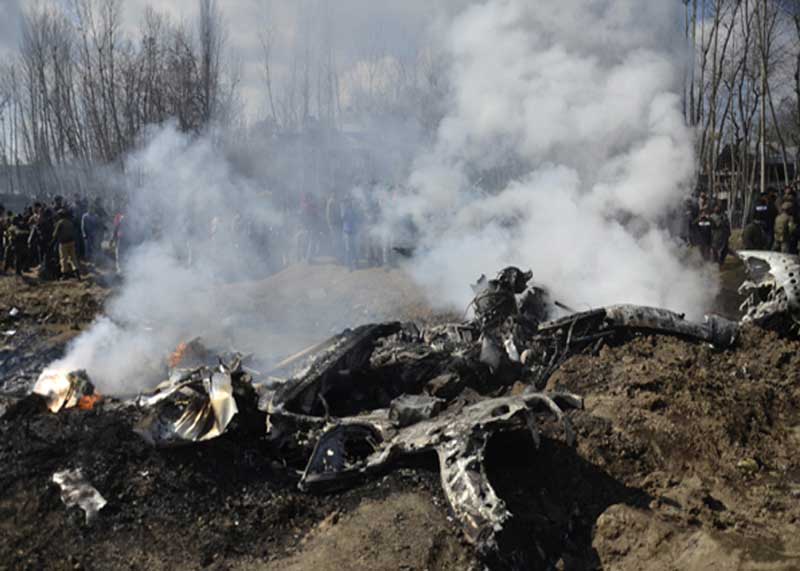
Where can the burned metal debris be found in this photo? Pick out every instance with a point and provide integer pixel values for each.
(77, 491)
(350, 448)
(192, 406)
(349, 407)
(64, 389)
(773, 291)
(380, 392)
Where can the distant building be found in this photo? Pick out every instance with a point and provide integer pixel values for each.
(728, 171)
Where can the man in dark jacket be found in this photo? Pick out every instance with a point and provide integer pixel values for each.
(92, 232)
(66, 236)
(704, 227)
(16, 244)
(720, 234)
(764, 215)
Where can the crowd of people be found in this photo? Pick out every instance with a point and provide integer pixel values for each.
(52, 238)
(55, 237)
(351, 229)
(709, 228)
(774, 225)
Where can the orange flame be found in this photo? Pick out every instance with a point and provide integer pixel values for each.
(88, 402)
(176, 358)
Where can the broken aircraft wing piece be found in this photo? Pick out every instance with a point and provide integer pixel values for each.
(591, 324)
(716, 330)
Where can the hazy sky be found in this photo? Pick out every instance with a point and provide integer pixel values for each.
(358, 27)
(9, 18)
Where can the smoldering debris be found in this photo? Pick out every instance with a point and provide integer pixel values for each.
(64, 389)
(382, 392)
(192, 406)
(458, 436)
(353, 406)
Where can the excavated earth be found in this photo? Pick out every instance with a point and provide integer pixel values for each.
(687, 458)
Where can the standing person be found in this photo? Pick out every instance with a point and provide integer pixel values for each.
(49, 270)
(702, 202)
(761, 216)
(790, 196)
(65, 235)
(39, 239)
(333, 218)
(687, 218)
(704, 229)
(761, 210)
(753, 237)
(117, 240)
(785, 230)
(310, 213)
(373, 236)
(350, 232)
(720, 234)
(16, 241)
(772, 214)
(81, 208)
(27, 255)
(34, 243)
(89, 232)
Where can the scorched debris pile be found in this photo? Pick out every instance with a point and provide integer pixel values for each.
(379, 395)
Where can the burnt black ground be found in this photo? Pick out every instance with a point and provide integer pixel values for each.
(202, 506)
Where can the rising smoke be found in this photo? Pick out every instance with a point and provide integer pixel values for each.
(562, 150)
(189, 218)
(577, 99)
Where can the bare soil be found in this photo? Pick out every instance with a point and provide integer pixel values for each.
(687, 458)
(37, 320)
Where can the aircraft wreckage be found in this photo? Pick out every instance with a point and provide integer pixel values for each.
(773, 291)
(349, 407)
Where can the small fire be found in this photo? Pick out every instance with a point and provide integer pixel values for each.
(88, 402)
(176, 358)
(188, 353)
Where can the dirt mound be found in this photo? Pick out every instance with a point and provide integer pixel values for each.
(710, 438)
(307, 303)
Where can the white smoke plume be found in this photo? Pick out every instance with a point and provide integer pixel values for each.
(562, 150)
(187, 215)
(577, 99)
